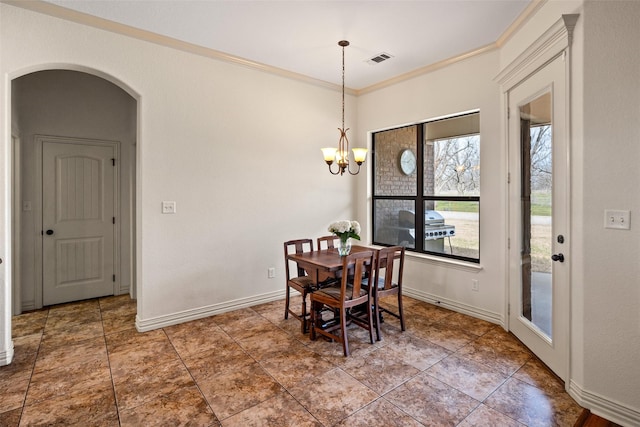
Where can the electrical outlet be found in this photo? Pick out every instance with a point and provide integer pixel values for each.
(474, 285)
(618, 219)
(168, 207)
(271, 273)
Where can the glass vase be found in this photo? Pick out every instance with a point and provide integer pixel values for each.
(344, 247)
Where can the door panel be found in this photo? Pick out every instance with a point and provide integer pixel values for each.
(78, 230)
(538, 212)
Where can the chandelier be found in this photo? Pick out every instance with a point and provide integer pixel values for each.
(341, 154)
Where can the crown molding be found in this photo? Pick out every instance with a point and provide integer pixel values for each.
(56, 11)
(151, 37)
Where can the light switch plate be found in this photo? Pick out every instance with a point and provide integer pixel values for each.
(618, 219)
(168, 207)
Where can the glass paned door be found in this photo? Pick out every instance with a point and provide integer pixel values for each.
(536, 167)
(539, 215)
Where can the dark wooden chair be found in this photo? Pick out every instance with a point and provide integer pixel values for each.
(343, 298)
(329, 242)
(389, 262)
(298, 279)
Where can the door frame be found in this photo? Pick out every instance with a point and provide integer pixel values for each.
(38, 243)
(555, 41)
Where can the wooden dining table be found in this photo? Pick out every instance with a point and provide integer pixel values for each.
(324, 264)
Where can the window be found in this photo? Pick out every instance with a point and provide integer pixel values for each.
(432, 171)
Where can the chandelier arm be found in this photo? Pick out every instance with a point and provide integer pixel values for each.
(339, 171)
(354, 173)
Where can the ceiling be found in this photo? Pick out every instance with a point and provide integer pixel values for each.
(301, 36)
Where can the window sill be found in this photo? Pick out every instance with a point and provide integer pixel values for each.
(445, 262)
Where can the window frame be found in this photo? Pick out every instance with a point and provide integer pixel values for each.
(420, 198)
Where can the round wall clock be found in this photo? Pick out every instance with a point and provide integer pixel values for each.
(407, 162)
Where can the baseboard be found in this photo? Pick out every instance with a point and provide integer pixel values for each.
(6, 356)
(603, 407)
(144, 325)
(472, 311)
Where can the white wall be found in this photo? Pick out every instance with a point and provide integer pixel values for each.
(611, 262)
(76, 105)
(464, 86)
(237, 149)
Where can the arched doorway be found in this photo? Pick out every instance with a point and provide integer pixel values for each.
(71, 110)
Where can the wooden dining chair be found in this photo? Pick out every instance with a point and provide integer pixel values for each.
(298, 279)
(343, 298)
(328, 242)
(389, 262)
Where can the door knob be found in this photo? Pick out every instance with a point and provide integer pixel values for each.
(558, 257)
(49, 232)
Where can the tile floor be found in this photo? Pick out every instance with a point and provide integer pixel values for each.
(85, 364)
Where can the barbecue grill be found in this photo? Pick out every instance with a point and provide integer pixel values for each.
(435, 229)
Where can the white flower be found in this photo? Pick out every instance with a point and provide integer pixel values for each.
(345, 229)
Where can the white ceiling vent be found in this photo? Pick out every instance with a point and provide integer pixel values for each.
(381, 57)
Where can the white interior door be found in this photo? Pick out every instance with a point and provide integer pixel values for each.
(77, 221)
(538, 211)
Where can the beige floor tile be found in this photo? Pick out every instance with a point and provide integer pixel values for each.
(281, 410)
(432, 402)
(14, 390)
(88, 352)
(495, 355)
(419, 353)
(484, 416)
(94, 407)
(472, 378)
(119, 323)
(117, 305)
(150, 383)
(76, 306)
(295, 364)
(532, 406)
(139, 357)
(381, 370)
(70, 379)
(71, 333)
(380, 413)
(231, 392)
(195, 336)
(429, 311)
(10, 418)
(29, 323)
(445, 336)
(66, 319)
(226, 357)
(332, 396)
(537, 374)
(477, 327)
(183, 407)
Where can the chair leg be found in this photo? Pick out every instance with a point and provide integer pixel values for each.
(400, 312)
(303, 322)
(343, 331)
(312, 332)
(376, 309)
(370, 318)
(286, 304)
